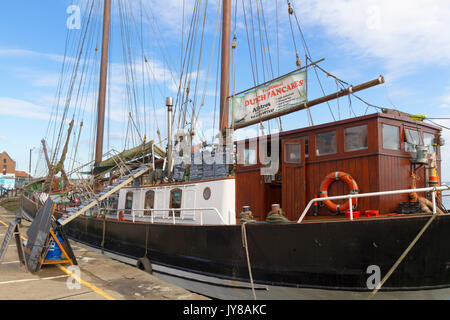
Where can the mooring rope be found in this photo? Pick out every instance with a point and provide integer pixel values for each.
(245, 245)
(399, 260)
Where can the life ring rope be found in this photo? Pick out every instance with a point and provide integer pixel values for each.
(338, 176)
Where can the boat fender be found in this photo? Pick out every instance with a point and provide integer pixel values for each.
(144, 264)
(351, 183)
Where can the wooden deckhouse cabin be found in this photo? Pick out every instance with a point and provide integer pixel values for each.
(374, 149)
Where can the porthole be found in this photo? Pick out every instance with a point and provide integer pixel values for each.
(207, 193)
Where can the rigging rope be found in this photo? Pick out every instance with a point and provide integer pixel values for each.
(209, 67)
(245, 245)
(403, 255)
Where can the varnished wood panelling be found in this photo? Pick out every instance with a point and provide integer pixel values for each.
(250, 192)
(362, 169)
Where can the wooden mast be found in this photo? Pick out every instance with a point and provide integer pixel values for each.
(225, 65)
(102, 87)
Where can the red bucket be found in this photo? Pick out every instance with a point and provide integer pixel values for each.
(371, 213)
(355, 214)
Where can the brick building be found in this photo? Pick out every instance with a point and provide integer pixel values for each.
(7, 165)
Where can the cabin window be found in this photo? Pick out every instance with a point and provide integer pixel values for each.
(326, 143)
(249, 156)
(356, 138)
(149, 202)
(175, 202)
(112, 203)
(428, 140)
(292, 153)
(412, 140)
(391, 137)
(129, 202)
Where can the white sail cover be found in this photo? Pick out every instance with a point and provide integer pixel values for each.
(266, 101)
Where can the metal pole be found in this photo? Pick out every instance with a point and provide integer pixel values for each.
(371, 194)
(351, 208)
(433, 197)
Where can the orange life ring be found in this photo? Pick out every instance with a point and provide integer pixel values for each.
(329, 179)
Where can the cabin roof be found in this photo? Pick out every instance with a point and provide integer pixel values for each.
(387, 114)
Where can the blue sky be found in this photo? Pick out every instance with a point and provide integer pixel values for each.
(406, 41)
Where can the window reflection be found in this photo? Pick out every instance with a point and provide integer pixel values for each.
(428, 140)
(175, 202)
(292, 153)
(412, 140)
(129, 202)
(391, 137)
(149, 202)
(249, 156)
(326, 143)
(356, 138)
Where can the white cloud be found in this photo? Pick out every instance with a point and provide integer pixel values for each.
(38, 78)
(31, 54)
(405, 34)
(22, 109)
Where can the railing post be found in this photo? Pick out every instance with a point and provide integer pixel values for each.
(351, 207)
(433, 198)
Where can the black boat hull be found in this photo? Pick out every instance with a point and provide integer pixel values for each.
(324, 256)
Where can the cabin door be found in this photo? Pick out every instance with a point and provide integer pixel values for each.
(293, 179)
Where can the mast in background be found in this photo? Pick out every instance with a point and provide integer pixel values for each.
(102, 87)
(225, 65)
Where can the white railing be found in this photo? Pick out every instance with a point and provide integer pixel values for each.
(433, 191)
(170, 217)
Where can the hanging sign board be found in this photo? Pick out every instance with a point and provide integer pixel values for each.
(268, 100)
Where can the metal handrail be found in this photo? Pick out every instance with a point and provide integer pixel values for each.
(376, 194)
(172, 209)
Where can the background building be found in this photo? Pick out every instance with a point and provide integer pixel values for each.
(22, 178)
(8, 171)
